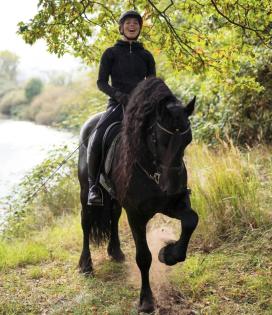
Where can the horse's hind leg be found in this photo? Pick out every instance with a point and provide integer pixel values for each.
(176, 251)
(114, 249)
(85, 261)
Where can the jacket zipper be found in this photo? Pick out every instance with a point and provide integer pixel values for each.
(130, 51)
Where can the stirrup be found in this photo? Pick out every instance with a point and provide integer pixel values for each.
(95, 196)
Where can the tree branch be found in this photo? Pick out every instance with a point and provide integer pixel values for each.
(233, 22)
(185, 47)
(170, 5)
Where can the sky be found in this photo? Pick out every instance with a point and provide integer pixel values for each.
(34, 60)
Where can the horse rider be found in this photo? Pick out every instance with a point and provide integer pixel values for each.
(126, 63)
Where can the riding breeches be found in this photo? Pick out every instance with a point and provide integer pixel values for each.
(94, 150)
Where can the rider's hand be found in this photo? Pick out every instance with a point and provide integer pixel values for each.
(121, 98)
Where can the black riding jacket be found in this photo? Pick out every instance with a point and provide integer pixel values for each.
(127, 64)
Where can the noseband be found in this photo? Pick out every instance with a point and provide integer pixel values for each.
(159, 166)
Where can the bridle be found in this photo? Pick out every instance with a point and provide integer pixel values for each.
(155, 176)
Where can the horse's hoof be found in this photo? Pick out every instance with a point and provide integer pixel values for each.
(86, 271)
(165, 256)
(85, 267)
(162, 252)
(117, 256)
(146, 307)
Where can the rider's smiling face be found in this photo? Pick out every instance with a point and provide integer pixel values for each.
(131, 28)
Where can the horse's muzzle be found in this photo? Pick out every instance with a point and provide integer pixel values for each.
(173, 180)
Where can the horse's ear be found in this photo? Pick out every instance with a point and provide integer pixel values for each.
(189, 108)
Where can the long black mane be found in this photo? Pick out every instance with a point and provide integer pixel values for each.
(142, 104)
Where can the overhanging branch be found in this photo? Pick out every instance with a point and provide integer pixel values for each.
(185, 47)
(234, 22)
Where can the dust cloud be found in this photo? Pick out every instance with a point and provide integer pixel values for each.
(169, 301)
(157, 237)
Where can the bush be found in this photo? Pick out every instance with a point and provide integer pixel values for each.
(41, 197)
(66, 106)
(45, 108)
(234, 104)
(33, 88)
(10, 102)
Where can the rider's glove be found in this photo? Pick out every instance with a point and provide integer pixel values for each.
(121, 98)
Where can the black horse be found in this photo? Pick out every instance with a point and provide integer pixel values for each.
(148, 176)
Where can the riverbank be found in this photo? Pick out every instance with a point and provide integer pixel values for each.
(23, 145)
(4, 117)
(228, 270)
(65, 105)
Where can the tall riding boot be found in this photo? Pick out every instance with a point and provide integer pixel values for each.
(95, 195)
(94, 153)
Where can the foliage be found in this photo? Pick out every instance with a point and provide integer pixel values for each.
(230, 190)
(67, 105)
(12, 102)
(46, 107)
(186, 30)
(235, 105)
(87, 101)
(8, 66)
(41, 197)
(59, 78)
(61, 103)
(8, 75)
(218, 50)
(33, 88)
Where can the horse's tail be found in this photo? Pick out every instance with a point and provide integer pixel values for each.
(100, 221)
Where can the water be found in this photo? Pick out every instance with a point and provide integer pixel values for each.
(23, 145)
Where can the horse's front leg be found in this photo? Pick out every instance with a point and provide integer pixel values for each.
(143, 259)
(85, 261)
(175, 252)
(114, 249)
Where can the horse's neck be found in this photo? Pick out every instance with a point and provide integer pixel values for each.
(146, 158)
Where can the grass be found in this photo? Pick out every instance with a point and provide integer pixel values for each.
(42, 277)
(233, 279)
(21, 254)
(229, 191)
(228, 269)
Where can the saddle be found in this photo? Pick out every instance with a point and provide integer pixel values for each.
(110, 140)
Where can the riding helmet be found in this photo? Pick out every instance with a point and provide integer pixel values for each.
(130, 13)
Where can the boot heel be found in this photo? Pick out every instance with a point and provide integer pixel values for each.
(95, 196)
